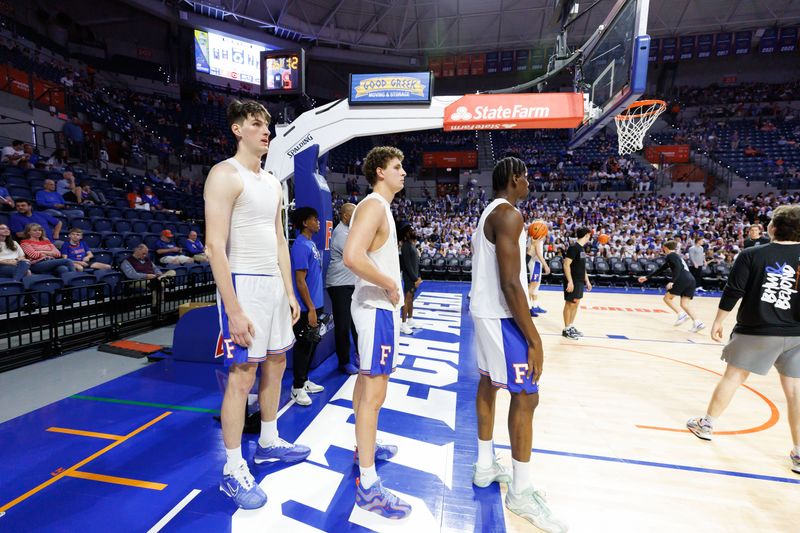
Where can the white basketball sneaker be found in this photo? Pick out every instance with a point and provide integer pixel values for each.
(531, 505)
(483, 477)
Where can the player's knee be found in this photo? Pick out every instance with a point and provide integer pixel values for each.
(525, 401)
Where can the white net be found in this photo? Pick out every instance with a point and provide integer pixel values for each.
(633, 123)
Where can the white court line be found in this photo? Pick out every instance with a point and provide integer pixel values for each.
(174, 511)
(189, 497)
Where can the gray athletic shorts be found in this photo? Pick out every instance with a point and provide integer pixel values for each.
(758, 353)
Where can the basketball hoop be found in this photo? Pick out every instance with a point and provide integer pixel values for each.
(634, 122)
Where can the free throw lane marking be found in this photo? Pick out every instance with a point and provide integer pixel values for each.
(69, 431)
(117, 480)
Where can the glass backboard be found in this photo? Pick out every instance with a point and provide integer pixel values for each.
(613, 70)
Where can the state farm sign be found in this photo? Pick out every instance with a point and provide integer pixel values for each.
(514, 111)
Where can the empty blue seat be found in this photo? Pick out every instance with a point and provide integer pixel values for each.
(122, 225)
(156, 227)
(133, 239)
(102, 224)
(112, 240)
(11, 295)
(103, 256)
(140, 226)
(80, 223)
(44, 288)
(92, 239)
(95, 211)
(110, 277)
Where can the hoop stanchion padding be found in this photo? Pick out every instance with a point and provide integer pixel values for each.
(633, 123)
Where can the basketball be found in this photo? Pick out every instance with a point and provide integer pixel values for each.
(537, 229)
(603, 238)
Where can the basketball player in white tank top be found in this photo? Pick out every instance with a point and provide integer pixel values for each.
(371, 254)
(508, 347)
(250, 260)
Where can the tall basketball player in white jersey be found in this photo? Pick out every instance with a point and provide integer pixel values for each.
(508, 347)
(257, 307)
(371, 254)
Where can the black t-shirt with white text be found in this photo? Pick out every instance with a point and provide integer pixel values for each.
(766, 279)
(678, 267)
(577, 254)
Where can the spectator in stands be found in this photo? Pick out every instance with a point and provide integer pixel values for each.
(66, 183)
(73, 134)
(195, 248)
(49, 198)
(139, 266)
(340, 283)
(12, 259)
(35, 159)
(14, 154)
(697, 260)
(754, 236)
(43, 255)
(149, 197)
(169, 253)
(25, 215)
(57, 161)
(81, 256)
(6, 200)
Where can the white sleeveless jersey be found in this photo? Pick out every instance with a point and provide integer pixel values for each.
(252, 242)
(386, 259)
(486, 297)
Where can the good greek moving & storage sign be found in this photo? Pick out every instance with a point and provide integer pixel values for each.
(396, 88)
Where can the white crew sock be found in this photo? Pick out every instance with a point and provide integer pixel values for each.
(485, 453)
(269, 433)
(368, 476)
(522, 476)
(710, 419)
(234, 459)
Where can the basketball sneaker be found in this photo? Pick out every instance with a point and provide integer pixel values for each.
(568, 333)
(700, 427)
(483, 477)
(795, 462)
(243, 489)
(405, 329)
(383, 452)
(534, 314)
(697, 327)
(300, 397)
(378, 500)
(531, 505)
(412, 324)
(576, 332)
(312, 388)
(539, 310)
(282, 451)
(681, 319)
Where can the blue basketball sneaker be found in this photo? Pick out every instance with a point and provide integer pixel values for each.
(534, 314)
(281, 451)
(241, 486)
(539, 310)
(383, 452)
(378, 500)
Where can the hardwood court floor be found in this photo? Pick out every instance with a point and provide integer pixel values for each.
(604, 470)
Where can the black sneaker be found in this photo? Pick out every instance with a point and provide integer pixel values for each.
(576, 332)
(568, 333)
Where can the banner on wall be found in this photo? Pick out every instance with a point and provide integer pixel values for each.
(539, 59)
(787, 42)
(723, 44)
(655, 48)
(462, 65)
(669, 47)
(769, 41)
(507, 61)
(664, 153)
(687, 43)
(492, 63)
(465, 159)
(742, 42)
(477, 64)
(435, 66)
(523, 58)
(449, 67)
(705, 45)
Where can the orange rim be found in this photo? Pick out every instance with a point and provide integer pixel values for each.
(629, 113)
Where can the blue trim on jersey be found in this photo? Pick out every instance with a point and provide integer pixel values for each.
(383, 341)
(515, 348)
(536, 274)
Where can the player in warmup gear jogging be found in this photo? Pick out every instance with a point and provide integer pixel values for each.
(508, 347)
(371, 254)
(767, 330)
(257, 307)
(538, 267)
(682, 285)
(576, 279)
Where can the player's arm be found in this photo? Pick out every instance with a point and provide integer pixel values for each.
(220, 193)
(285, 262)
(507, 224)
(540, 255)
(363, 229)
(734, 289)
(568, 269)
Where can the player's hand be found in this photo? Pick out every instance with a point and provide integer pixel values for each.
(295, 307)
(394, 295)
(570, 287)
(241, 329)
(418, 282)
(535, 360)
(588, 285)
(669, 285)
(641, 279)
(716, 331)
(546, 269)
(312, 318)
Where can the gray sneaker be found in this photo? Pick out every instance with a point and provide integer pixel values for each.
(795, 462)
(483, 477)
(576, 332)
(700, 428)
(570, 334)
(531, 505)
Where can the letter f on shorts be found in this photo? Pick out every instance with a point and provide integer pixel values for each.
(385, 352)
(520, 369)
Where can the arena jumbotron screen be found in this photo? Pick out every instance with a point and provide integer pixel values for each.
(221, 55)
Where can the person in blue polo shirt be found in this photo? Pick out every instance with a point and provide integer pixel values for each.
(307, 281)
(25, 215)
(6, 200)
(48, 198)
(81, 256)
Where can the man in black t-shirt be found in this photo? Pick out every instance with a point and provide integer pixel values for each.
(681, 285)
(575, 280)
(754, 237)
(767, 331)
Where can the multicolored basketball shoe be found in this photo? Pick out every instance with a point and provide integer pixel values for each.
(379, 500)
(383, 452)
(700, 427)
(795, 462)
(281, 451)
(242, 487)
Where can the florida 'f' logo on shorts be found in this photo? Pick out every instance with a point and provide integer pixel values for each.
(377, 339)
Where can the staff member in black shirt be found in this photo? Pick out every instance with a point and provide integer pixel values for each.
(682, 285)
(754, 237)
(767, 330)
(575, 280)
(409, 267)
